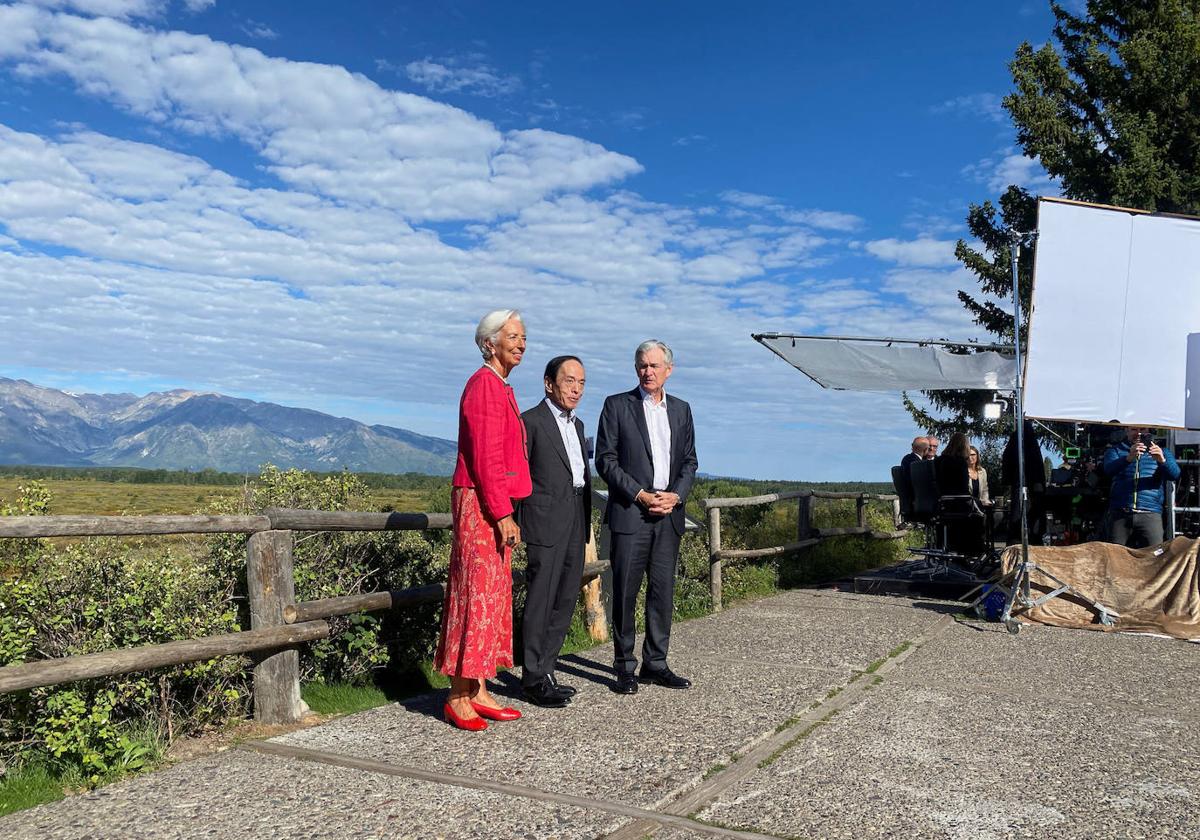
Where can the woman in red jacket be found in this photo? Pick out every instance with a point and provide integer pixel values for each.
(492, 471)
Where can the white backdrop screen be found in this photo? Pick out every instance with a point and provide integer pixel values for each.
(1115, 296)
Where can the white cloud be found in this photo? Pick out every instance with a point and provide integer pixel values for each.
(452, 75)
(258, 30)
(748, 199)
(1011, 167)
(319, 127)
(330, 285)
(197, 6)
(981, 105)
(914, 252)
(110, 8)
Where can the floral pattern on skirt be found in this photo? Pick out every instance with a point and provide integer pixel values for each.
(476, 637)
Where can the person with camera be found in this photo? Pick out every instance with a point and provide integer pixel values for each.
(1140, 469)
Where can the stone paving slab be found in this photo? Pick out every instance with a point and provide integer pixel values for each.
(239, 795)
(821, 630)
(1086, 666)
(927, 754)
(644, 748)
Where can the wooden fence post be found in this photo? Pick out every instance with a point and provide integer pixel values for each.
(714, 556)
(271, 587)
(593, 604)
(897, 517)
(861, 511)
(804, 518)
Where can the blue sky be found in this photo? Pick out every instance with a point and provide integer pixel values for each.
(313, 203)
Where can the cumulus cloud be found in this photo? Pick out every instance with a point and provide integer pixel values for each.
(197, 6)
(334, 283)
(452, 75)
(319, 127)
(1007, 167)
(113, 8)
(916, 252)
(980, 105)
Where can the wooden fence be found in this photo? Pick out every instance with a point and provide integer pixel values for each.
(277, 623)
(806, 535)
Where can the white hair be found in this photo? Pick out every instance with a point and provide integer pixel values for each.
(651, 343)
(490, 326)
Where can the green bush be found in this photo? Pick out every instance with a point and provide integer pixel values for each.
(99, 595)
(329, 564)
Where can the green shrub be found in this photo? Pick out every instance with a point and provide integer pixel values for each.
(100, 595)
(329, 564)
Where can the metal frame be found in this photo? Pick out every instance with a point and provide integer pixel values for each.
(1016, 584)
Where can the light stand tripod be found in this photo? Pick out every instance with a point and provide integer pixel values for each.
(1015, 585)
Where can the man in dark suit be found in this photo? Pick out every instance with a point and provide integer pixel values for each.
(920, 445)
(555, 520)
(646, 453)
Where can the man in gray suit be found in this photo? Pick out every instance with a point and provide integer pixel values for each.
(555, 520)
(646, 453)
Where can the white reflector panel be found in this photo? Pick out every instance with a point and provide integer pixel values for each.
(1115, 296)
(858, 365)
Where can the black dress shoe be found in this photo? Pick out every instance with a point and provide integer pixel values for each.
(625, 684)
(664, 677)
(543, 694)
(567, 691)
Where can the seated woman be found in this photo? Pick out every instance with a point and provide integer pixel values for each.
(978, 477)
(953, 470)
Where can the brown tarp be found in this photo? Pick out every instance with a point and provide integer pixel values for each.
(1155, 590)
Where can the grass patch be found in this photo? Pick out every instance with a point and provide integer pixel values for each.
(712, 771)
(341, 698)
(899, 649)
(28, 786)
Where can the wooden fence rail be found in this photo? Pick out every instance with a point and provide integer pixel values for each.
(807, 536)
(278, 625)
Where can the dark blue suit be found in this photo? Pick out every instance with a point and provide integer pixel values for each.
(643, 544)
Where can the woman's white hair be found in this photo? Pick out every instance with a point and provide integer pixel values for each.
(490, 326)
(650, 344)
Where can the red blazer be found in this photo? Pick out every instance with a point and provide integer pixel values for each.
(491, 444)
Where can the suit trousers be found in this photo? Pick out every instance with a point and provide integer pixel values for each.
(552, 579)
(653, 552)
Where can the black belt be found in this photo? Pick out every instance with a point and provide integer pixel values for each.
(1131, 511)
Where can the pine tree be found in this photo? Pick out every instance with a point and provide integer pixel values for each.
(1111, 108)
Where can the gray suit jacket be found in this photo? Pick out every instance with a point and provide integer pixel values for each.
(623, 459)
(546, 513)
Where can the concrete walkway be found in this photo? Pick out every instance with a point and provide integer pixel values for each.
(814, 714)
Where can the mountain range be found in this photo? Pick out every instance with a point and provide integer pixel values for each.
(193, 430)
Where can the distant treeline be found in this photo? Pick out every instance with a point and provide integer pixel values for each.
(712, 485)
(138, 475)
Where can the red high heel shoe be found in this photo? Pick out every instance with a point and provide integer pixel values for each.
(470, 724)
(488, 712)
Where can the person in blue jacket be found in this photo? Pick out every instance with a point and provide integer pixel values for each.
(1140, 470)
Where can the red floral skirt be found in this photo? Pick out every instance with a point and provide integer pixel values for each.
(476, 636)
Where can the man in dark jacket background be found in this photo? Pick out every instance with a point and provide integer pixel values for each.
(1140, 470)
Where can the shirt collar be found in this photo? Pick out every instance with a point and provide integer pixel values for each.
(646, 398)
(559, 412)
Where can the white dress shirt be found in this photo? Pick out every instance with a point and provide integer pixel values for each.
(570, 439)
(659, 427)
